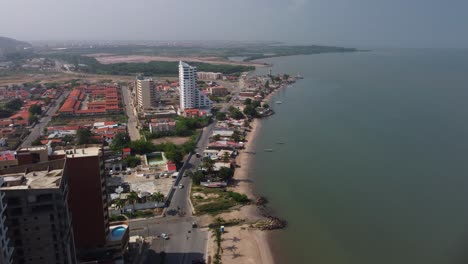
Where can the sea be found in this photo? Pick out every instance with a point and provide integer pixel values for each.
(370, 158)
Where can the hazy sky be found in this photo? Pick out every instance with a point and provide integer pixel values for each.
(362, 23)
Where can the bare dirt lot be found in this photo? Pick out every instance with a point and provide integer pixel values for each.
(175, 140)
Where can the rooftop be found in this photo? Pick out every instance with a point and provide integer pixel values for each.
(45, 175)
(79, 152)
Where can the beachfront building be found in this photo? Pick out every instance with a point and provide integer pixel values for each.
(190, 96)
(146, 94)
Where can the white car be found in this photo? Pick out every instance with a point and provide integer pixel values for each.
(181, 186)
(164, 236)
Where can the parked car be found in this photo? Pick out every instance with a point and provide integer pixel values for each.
(165, 236)
(181, 186)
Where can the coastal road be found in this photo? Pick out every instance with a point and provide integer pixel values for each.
(132, 122)
(44, 121)
(185, 243)
(180, 199)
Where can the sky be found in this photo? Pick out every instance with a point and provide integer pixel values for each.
(356, 23)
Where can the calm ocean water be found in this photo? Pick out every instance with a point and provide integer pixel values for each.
(374, 169)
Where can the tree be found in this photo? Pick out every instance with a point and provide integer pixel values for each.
(32, 118)
(67, 138)
(248, 101)
(174, 155)
(35, 109)
(249, 110)
(266, 106)
(83, 136)
(235, 113)
(267, 84)
(217, 137)
(14, 105)
(197, 177)
(36, 142)
(132, 198)
(237, 136)
(119, 203)
(208, 165)
(256, 103)
(132, 161)
(226, 173)
(157, 197)
(120, 141)
(221, 116)
(226, 157)
(142, 147)
(285, 76)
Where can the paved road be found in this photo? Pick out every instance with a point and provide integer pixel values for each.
(182, 247)
(184, 244)
(180, 198)
(132, 119)
(44, 121)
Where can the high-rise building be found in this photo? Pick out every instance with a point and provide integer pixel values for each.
(88, 198)
(37, 214)
(145, 92)
(190, 95)
(5, 249)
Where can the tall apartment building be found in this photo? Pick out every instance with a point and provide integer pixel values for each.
(5, 250)
(37, 214)
(190, 95)
(88, 198)
(145, 92)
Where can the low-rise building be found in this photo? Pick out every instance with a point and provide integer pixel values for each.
(218, 91)
(162, 125)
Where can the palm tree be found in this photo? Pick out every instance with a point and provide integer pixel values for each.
(226, 157)
(119, 203)
(132, 198)
(157, 197)
(208, 164)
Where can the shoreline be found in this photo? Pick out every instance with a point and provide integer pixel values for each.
(256, 243)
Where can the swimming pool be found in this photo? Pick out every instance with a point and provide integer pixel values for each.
(118, 231)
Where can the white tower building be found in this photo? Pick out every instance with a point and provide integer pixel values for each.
(190, 95)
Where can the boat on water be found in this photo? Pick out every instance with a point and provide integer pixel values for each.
(278, 102)
(280, 143)
(269, 150)
(298, 76)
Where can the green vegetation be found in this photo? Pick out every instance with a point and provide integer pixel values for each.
(120, 141)
(115, 218)
(250, 107)
(172, 152)
(84, 136)
(140, 214)
(132, 161)
(184, 127)
(10, 108)
(235, 113)
(216, 200)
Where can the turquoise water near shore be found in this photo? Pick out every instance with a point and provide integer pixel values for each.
(374, 168)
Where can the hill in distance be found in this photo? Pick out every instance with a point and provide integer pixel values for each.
(9, 46)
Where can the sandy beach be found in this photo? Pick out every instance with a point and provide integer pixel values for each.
(243, 244)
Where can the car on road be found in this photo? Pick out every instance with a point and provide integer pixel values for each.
(164, 236)
(194, 225)
(197, 155)
(181, 186)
